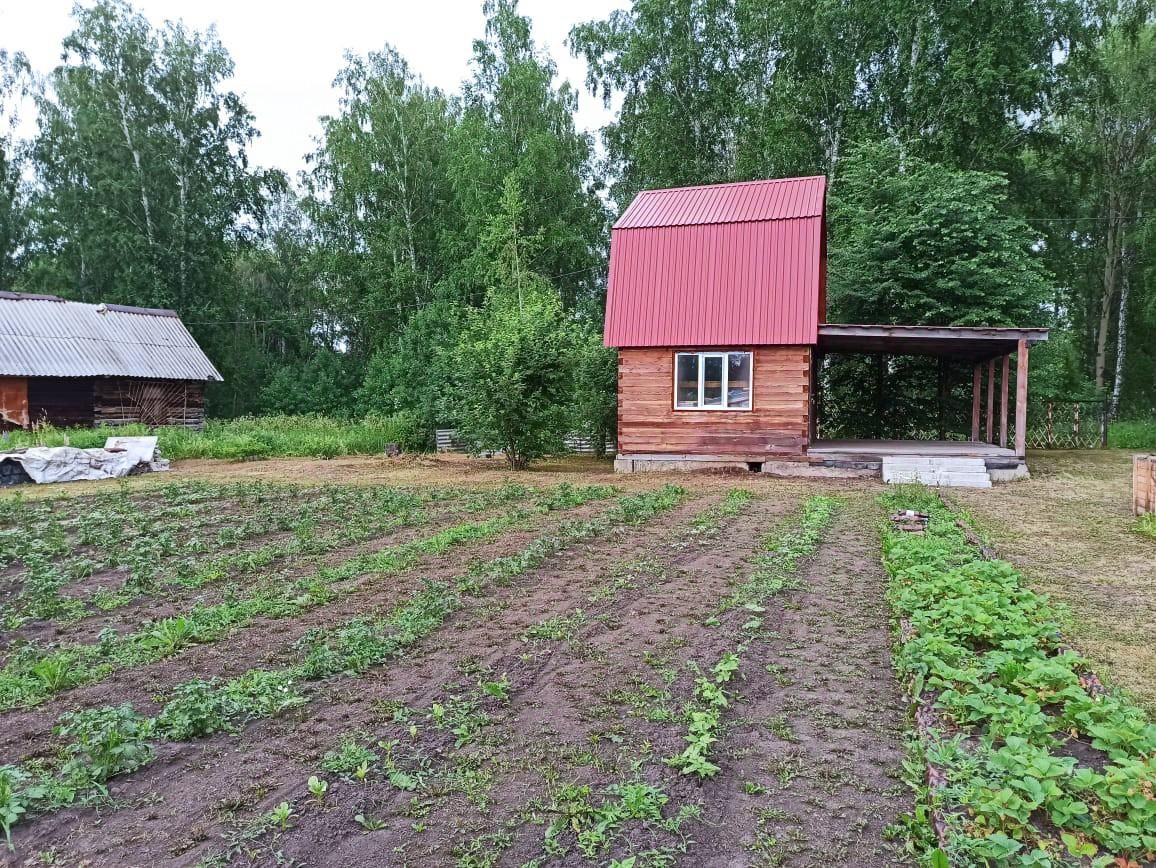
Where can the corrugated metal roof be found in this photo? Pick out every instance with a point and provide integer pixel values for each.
(741, 202)
(726, 265)
(44, 336)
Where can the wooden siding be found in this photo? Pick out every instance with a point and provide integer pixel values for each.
(61, 401)
(777, 423)
(150, 402)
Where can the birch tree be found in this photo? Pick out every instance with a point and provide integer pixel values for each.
(15, 82)
(143, 177)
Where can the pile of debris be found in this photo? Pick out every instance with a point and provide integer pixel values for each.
(120, 456)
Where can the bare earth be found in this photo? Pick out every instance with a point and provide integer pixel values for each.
(598, 646)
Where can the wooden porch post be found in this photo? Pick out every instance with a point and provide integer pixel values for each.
(990, 402)
(975, 404)
(1022, 399)
(1003, 402)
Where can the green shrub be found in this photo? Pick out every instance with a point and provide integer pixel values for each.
(1133, 434)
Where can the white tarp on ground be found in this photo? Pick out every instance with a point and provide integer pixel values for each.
(119, 457)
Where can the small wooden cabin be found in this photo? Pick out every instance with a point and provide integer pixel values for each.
(717, 305)
(73, 364)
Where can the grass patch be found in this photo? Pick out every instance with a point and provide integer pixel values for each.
(1041, 767)
(249, 437)
(1133, 434)
(1146, 525)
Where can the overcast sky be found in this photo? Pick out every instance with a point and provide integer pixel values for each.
(287, 52)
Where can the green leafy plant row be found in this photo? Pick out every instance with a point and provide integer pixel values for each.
(775, 571)
(1040, 769)
(31, 676)
(110, 741)
(155, 558)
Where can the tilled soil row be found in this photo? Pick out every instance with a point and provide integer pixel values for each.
(172, 600)
(265, 642)
(657, 582)
(812, 774)
(198, 785)
(227, 514)
(810, 754)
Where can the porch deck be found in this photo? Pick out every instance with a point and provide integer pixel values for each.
(856, 451)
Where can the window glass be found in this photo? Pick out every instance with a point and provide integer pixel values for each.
(686, 391)
(739, 380)
(712, 381)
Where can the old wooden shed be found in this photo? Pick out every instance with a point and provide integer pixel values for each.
(73, 364)
(717, 305)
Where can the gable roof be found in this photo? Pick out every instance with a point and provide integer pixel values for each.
(46, 336)
(720, 265)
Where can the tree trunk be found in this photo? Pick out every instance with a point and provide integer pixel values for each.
(1121, 335)
(1111, 258)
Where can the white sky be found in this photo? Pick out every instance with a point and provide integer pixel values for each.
(287, 52)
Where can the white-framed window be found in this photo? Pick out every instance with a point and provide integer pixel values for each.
(712, 381)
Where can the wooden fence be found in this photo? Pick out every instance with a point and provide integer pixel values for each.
(1068, 425)
(448, 441)
(1143, 484)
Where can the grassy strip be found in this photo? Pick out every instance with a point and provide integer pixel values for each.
(30, 676)
(249, 437)
(104, 742)
(1040, 765)
(775, 571)
(1132, 434)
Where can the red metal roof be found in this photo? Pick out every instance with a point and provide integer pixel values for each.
(727, 264)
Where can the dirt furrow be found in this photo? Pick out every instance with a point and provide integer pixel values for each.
(264, 641)
(221, 775)
(658, 582)
(812, 757)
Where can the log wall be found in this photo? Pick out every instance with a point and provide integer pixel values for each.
(777, 423)
(149, 402)
(65, 402)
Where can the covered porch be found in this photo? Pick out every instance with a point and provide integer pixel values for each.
(998, 432)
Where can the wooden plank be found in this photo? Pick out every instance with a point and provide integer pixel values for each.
(778, 421)
(990, 402)
(1022, 398)
(975, 405)
(1003, 402)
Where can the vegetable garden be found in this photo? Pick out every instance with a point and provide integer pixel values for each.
(564, 672)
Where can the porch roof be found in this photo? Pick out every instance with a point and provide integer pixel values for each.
(968, 343)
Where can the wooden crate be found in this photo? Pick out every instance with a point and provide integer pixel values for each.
(1143, 484)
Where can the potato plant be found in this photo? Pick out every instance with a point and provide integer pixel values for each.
(23, 681)
(985, 654)
(100, 743)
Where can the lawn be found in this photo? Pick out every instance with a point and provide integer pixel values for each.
(431, 661)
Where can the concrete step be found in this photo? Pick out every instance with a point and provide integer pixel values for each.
(936, 471)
